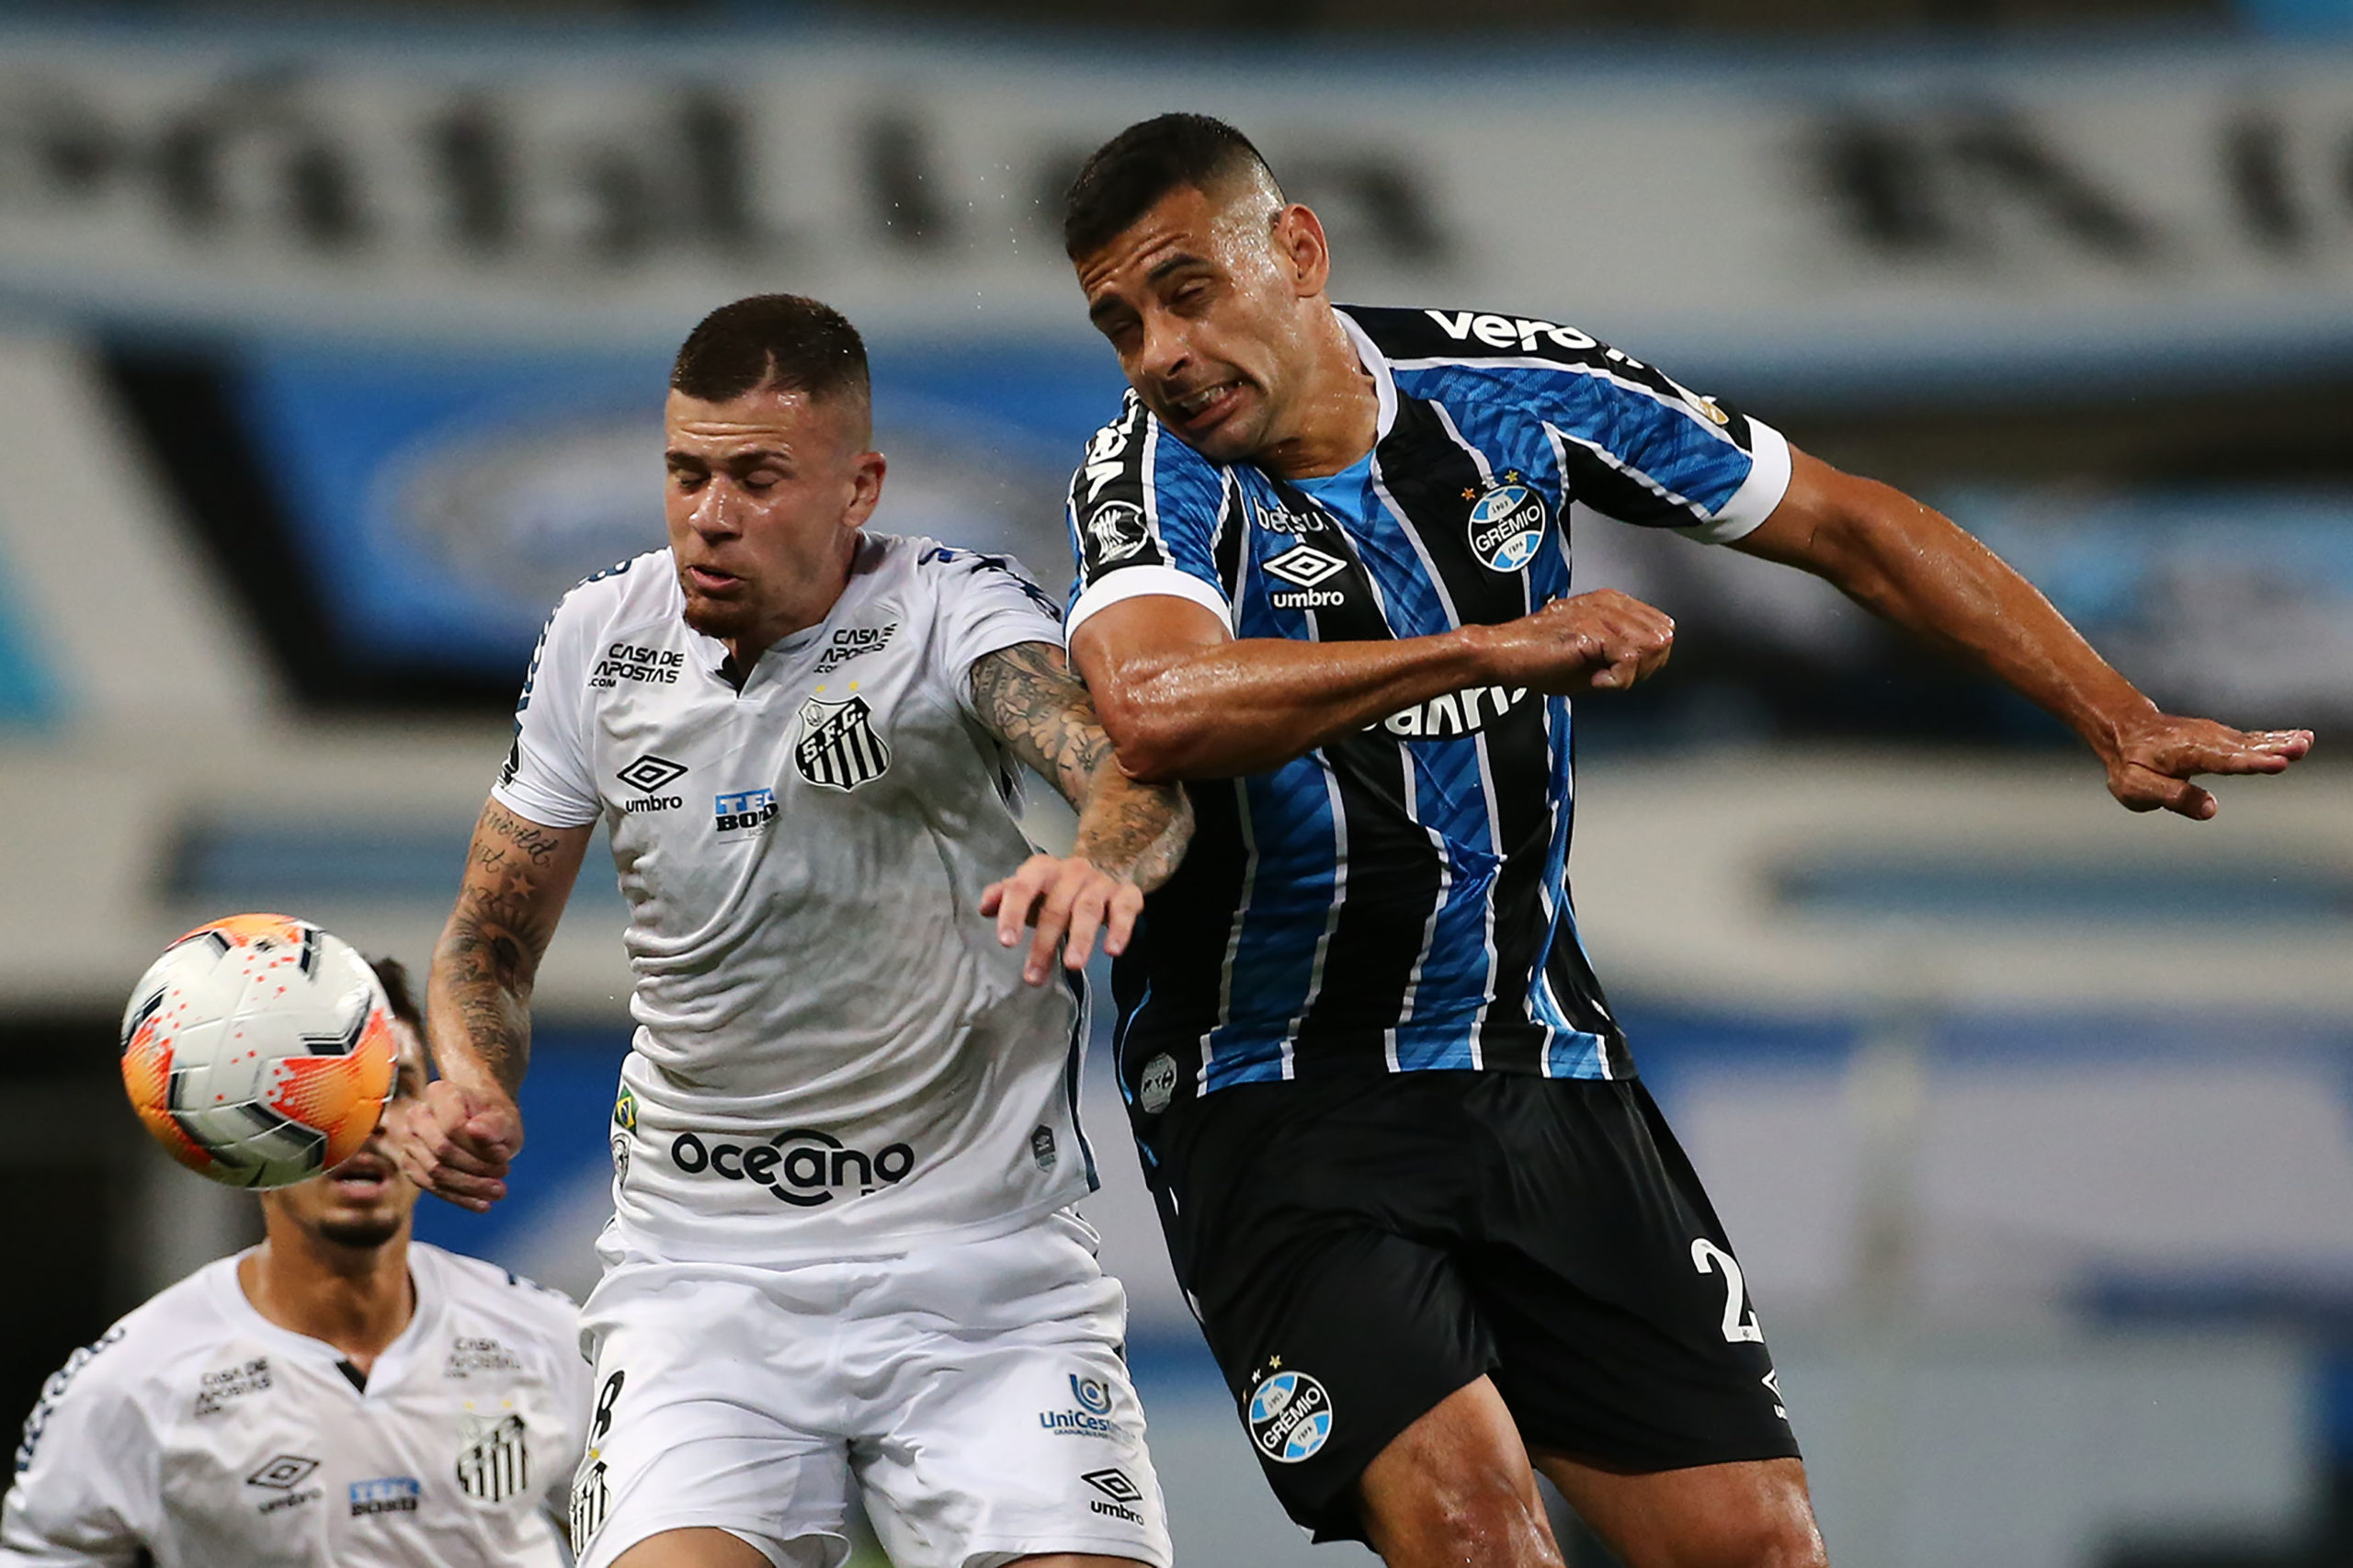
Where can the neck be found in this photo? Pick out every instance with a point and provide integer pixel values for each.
(745, 651)
(356, 1299)
(1339, 409)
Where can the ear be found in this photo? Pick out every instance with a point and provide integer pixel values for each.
(866, 488)
(1307, 255)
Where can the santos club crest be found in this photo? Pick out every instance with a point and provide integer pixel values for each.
(494, 1462)
(838, 748)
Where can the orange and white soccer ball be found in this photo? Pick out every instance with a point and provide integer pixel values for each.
(259, 1051)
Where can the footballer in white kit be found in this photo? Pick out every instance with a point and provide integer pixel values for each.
(845, 1139)
(338, 1397)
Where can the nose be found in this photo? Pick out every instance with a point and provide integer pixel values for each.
(715, 512)
(1167, 351)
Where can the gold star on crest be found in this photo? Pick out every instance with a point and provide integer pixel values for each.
(1274, 1363)
(1469, 494)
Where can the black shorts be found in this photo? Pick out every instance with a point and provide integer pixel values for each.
(1360, 1248)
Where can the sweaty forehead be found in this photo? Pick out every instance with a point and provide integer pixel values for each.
(767, 417)
(1188, 223)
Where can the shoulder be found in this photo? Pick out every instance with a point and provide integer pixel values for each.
(1134, 460)
(1429, 337)
(483, 1294)
(146, 1350)
(952, 573)
(642, 584)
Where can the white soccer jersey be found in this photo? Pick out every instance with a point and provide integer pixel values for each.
(834, 1053)
(197, 1433)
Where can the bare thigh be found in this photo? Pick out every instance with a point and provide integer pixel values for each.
(1754, 1514)
(1455, 1487)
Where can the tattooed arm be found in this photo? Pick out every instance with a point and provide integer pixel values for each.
(458, 1139)
(1130, 836)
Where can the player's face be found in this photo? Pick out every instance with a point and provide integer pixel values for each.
(365, 1202)
(766, 492)
(1203, 299)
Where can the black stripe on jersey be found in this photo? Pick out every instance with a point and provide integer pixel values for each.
(1167, 984)
(1434, 481)
(1229, 547)
(1377, 939)
(1109, 506)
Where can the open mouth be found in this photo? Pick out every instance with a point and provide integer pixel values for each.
(1199, 410)
(364, 1176)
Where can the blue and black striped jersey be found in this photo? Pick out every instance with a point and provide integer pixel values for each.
(1398, 900)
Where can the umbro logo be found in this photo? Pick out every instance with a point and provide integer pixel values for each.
(1305, 565)
(283, 1471)
(1114, 1485)
(649, 773)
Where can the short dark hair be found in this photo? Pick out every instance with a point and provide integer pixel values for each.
(786, 341)
(393, 975)
(1145, 162)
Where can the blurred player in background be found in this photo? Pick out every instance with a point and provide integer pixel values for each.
(338, 1397)
(1432, 1223)
(846, 1140)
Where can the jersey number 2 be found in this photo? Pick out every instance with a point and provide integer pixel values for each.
(1710, 1258)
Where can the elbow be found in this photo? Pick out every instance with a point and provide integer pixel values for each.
(1150, 743)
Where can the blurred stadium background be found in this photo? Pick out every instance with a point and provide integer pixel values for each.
(332, 338)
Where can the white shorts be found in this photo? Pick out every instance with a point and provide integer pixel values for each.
(974, 1392)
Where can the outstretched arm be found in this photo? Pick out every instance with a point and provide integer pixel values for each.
(459, 1138)
(1907, 563)
(1183, 700)
(1130, 836)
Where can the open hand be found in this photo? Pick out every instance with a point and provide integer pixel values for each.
(1072, 898)
(455, 1143)
(2153, 760)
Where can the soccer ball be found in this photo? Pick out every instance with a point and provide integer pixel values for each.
(259, 1051)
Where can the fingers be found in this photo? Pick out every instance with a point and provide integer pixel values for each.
(1015, 900)
(1127, 907)
(1067, 904)
(458, 1145)
(2154, 767)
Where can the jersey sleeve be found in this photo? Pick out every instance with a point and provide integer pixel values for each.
(87, 1482)
(1143, 515)
(547, 778)
(1634, 443)
(981, 603)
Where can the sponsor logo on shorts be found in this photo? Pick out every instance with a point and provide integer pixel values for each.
(1506, 524)
(1041, 1147)
(801, 1165)
(645, 666)
(386, 1494)
(1123, 1494)
(1289, 1415)
(1157, 1085)
(624, 1123)
(1093, 1416)
(855, 642)
(217, 1391)
(494, 1458)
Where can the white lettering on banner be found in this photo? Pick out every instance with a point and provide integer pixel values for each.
(603, 195)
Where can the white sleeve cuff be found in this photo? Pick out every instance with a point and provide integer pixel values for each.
(1138, 582)
(535, 804)
(1767, 482)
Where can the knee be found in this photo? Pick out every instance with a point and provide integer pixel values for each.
(1781, 1540)
(1467, 1516)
